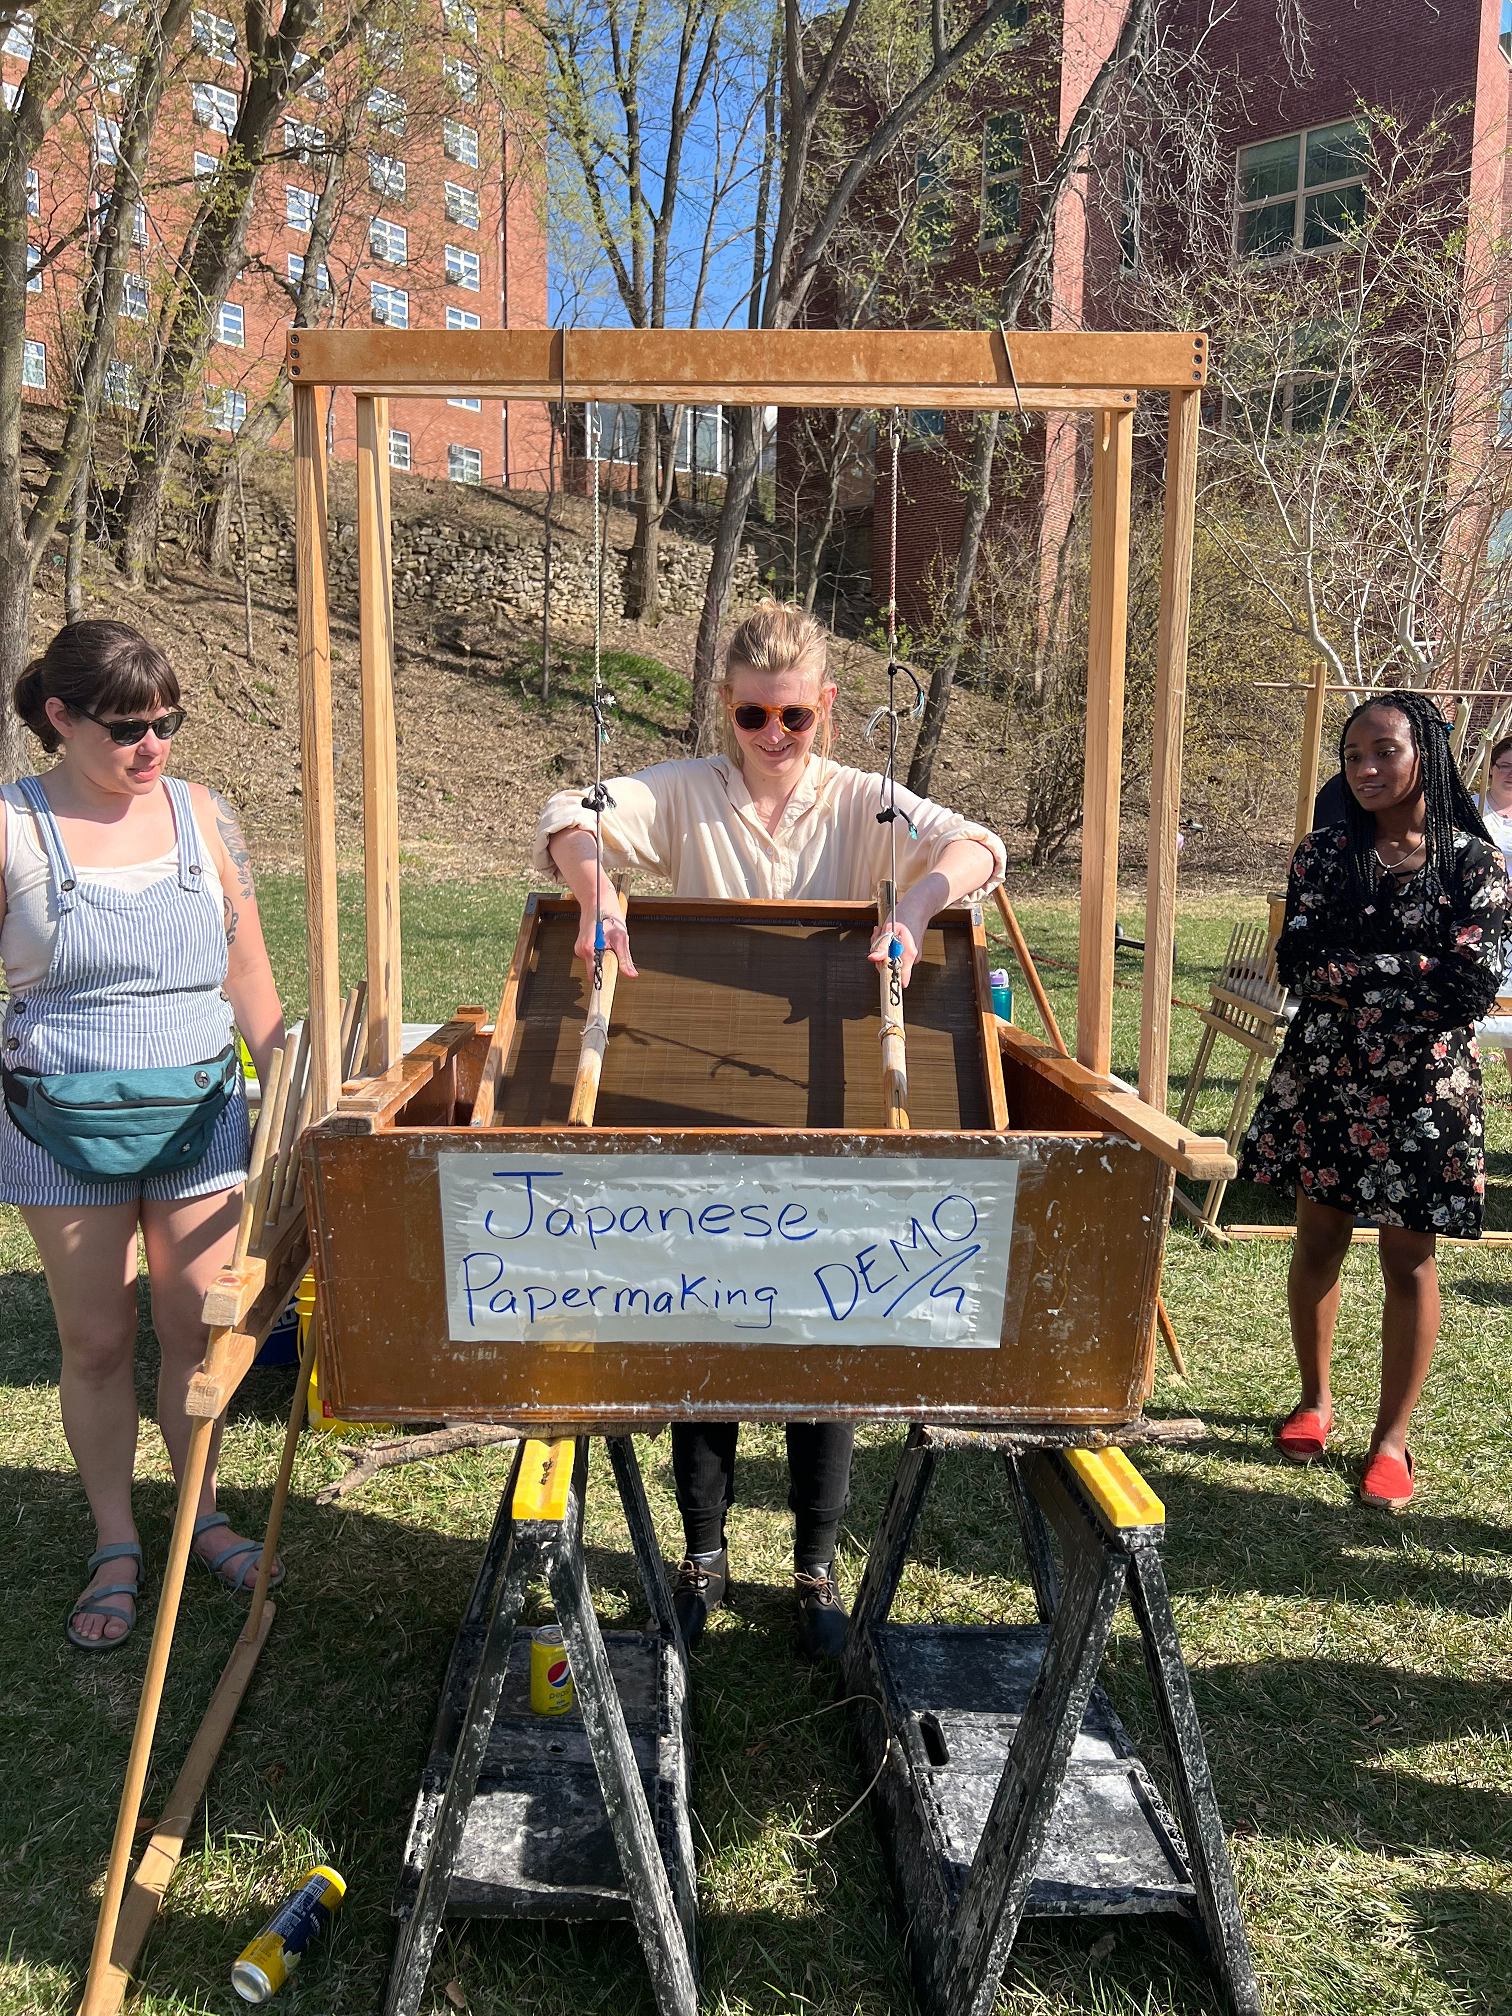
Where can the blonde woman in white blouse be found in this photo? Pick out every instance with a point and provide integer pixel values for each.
(772, 819)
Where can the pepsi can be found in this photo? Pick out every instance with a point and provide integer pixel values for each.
(550, 1676)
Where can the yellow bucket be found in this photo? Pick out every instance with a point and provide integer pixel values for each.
(317, 1414)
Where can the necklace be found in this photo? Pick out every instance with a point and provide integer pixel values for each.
(1395, 867)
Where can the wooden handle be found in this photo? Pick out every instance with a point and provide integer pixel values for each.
(263, 1189)
(894, 1045)
(1025, 959)
(595, 1041)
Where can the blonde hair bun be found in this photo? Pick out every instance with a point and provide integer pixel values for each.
(775, 637)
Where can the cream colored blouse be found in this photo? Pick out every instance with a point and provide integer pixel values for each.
(693, 821)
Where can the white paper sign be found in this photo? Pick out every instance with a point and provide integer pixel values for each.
(727, 1249)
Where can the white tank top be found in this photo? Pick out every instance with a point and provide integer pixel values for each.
(30, 930)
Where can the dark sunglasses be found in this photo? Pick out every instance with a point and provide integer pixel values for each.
(125, 733)
(754, 718)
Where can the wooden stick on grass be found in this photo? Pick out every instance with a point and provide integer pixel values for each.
(1025, 959)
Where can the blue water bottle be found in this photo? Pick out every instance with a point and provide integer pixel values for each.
(1002, 993)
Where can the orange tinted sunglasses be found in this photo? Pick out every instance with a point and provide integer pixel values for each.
(753, 717)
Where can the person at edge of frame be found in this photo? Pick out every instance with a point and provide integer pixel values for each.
(130, 937)
(1396, 920)
(769, 818)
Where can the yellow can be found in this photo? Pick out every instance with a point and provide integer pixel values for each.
(550, 1675)
(264, 1965)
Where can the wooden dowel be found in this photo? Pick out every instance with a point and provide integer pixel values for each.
(894, 1045)
(97, 1989)
(160, 1858)
(294, 1076)
(269, 1170)
(289, 1182)
(281, 1486)
(590, 1065)
(351, 1012)
(1030, 972)
(1168, 1335)
(268, 1095)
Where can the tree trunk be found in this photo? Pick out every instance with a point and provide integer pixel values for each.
(942, 679)
(15, 646)
(740, 487)
(831, 508)
(218, 530)
(642, 580)
(78, 534)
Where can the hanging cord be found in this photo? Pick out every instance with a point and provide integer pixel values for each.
(889, 815)
(598, 798)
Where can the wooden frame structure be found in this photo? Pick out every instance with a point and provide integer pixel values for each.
(1102, 375)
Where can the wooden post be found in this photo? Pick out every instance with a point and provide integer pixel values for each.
(380, 778)
(317, 765)
(1112, 452)
(1312, 750)
(101, 1990)
(1165, 752)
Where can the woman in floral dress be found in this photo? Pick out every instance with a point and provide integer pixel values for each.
(1395, 922)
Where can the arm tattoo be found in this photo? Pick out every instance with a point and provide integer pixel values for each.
(232, 920)
(236, 847)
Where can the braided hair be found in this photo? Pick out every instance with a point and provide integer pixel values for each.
(1450, 807)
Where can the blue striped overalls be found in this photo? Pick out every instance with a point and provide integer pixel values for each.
(136, 982)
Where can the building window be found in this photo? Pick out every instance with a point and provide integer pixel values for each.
(111, 68)
(399, 448)
(388, 242)
(134, 298)
(932, 214)
(462, 268)
(212, 35)
(1002, 176)
(1303, 389)
(463, 79)
(107, 139)
(299, 208)
(463, 318)
(385, 47)
(10, 96)
(314, 86)
(33, 193)
(461, 205)
(925, 423)
(33, 270)
(18, 37)
(460, 18)
(387, 109)
(1130, 211)
(297, 271)
(464, 465)
(459, 142)
(214, 108)
(225, 409)
(390, 305)
(232, 326)
(469, 405)
(386, 174)
(302, 140)
(139, 227)
(34, 365)
(120, 385)
(1302, 193)
(205, 167)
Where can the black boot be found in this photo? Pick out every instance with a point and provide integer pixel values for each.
(821, 1615)
(698, 1592)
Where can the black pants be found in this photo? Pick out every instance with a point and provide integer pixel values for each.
(819, 1460)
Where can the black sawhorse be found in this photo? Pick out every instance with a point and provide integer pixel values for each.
(1010, 1788)
(472, 1844)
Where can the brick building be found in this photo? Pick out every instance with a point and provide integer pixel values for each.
(1296, 167)
(437, 224)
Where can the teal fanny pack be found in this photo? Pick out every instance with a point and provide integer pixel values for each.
(112, 1124)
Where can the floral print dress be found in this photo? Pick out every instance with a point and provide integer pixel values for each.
(1374, 1106)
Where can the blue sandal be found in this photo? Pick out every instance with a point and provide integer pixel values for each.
(241, 1553)
(96, 1605)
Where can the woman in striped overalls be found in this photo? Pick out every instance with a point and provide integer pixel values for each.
(130, 940)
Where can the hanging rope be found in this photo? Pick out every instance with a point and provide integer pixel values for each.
(598, 798)
(889, 815)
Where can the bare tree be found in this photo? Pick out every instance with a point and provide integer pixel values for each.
(817, 73)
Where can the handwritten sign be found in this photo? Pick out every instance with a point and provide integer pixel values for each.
(727, 1249)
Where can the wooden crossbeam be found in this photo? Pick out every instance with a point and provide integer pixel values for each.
(1060, 370)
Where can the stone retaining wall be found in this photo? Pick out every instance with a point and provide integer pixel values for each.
(470, 569)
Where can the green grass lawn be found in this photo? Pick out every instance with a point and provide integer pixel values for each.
(1351, 1669)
